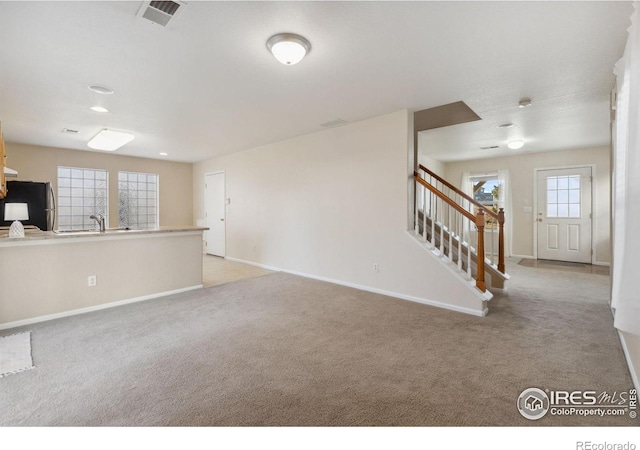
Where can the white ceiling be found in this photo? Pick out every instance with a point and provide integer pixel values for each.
(206, 85)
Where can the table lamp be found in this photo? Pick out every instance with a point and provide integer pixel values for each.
(16, 212)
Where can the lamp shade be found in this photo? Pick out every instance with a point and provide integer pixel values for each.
(16, 211)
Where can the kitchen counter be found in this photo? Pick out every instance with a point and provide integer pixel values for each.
(47, 275)
(36, 236)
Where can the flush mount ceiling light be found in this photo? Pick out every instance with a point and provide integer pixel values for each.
(164, 154)
(524, 103)
(110, 140)
(515, 145)
(100, 89)
(288, 48)
(99, 109)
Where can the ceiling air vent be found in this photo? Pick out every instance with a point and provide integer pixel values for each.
(160, 12)
(334, 123)
(489, 148)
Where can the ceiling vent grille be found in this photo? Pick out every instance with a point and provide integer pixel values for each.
(160, 12)
(334, 123)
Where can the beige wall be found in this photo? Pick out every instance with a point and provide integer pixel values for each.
(49, 277)
(434, 165)
(35, 163)
(521, 172)
(330, 205)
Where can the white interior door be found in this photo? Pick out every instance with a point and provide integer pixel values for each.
(214, 199)
(564, 214)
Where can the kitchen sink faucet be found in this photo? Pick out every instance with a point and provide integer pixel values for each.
(100, 219)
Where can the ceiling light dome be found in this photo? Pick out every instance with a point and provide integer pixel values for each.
(515, 145)
(288, 48)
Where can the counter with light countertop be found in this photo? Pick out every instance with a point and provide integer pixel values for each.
(46, 275)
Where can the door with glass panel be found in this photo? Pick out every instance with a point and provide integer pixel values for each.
(564, 214)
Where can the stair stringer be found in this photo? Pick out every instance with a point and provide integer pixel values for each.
(475, 296)
(494, 279)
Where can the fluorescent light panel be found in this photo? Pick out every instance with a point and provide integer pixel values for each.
(110, 140)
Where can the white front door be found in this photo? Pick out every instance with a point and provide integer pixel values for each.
(214, 200)
(564, 214)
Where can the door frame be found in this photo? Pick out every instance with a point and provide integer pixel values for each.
(593, 206)
(204, 198)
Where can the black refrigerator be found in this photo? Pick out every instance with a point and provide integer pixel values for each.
(39, 197)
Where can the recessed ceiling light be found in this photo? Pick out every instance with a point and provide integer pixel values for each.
(524, 103)
(288, 48)
(110, 140)
(505, 125)
(515, 145)
(100, 89)
(164, 154)
(99, 109)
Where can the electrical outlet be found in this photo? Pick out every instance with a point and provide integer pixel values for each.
(92, 280)
(375, 267)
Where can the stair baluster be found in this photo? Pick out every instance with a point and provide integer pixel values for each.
(450, 214)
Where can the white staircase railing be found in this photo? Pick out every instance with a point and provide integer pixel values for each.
(445, 221)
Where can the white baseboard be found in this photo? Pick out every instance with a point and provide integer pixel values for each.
(632, 370)
(73, 312)
(522, 256)
(410, 298)
(368, 289)
(601, 263)
(251, 263)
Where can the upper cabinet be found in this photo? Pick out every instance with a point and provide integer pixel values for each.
(3, 164)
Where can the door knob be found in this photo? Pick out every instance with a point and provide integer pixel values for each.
(221, 220)
(540, 219)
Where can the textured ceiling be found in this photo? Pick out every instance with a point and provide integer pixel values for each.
(206, 85)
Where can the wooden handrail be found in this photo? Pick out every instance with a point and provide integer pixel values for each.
(480, 283)
(499, 216)
(501, 267)
(459, 192)
(477, 219)
(445, 198)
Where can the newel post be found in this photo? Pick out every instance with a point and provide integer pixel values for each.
(501, 240)
(480, 284)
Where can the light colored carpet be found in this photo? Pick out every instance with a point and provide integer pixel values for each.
(285, 350)
(15, 353)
